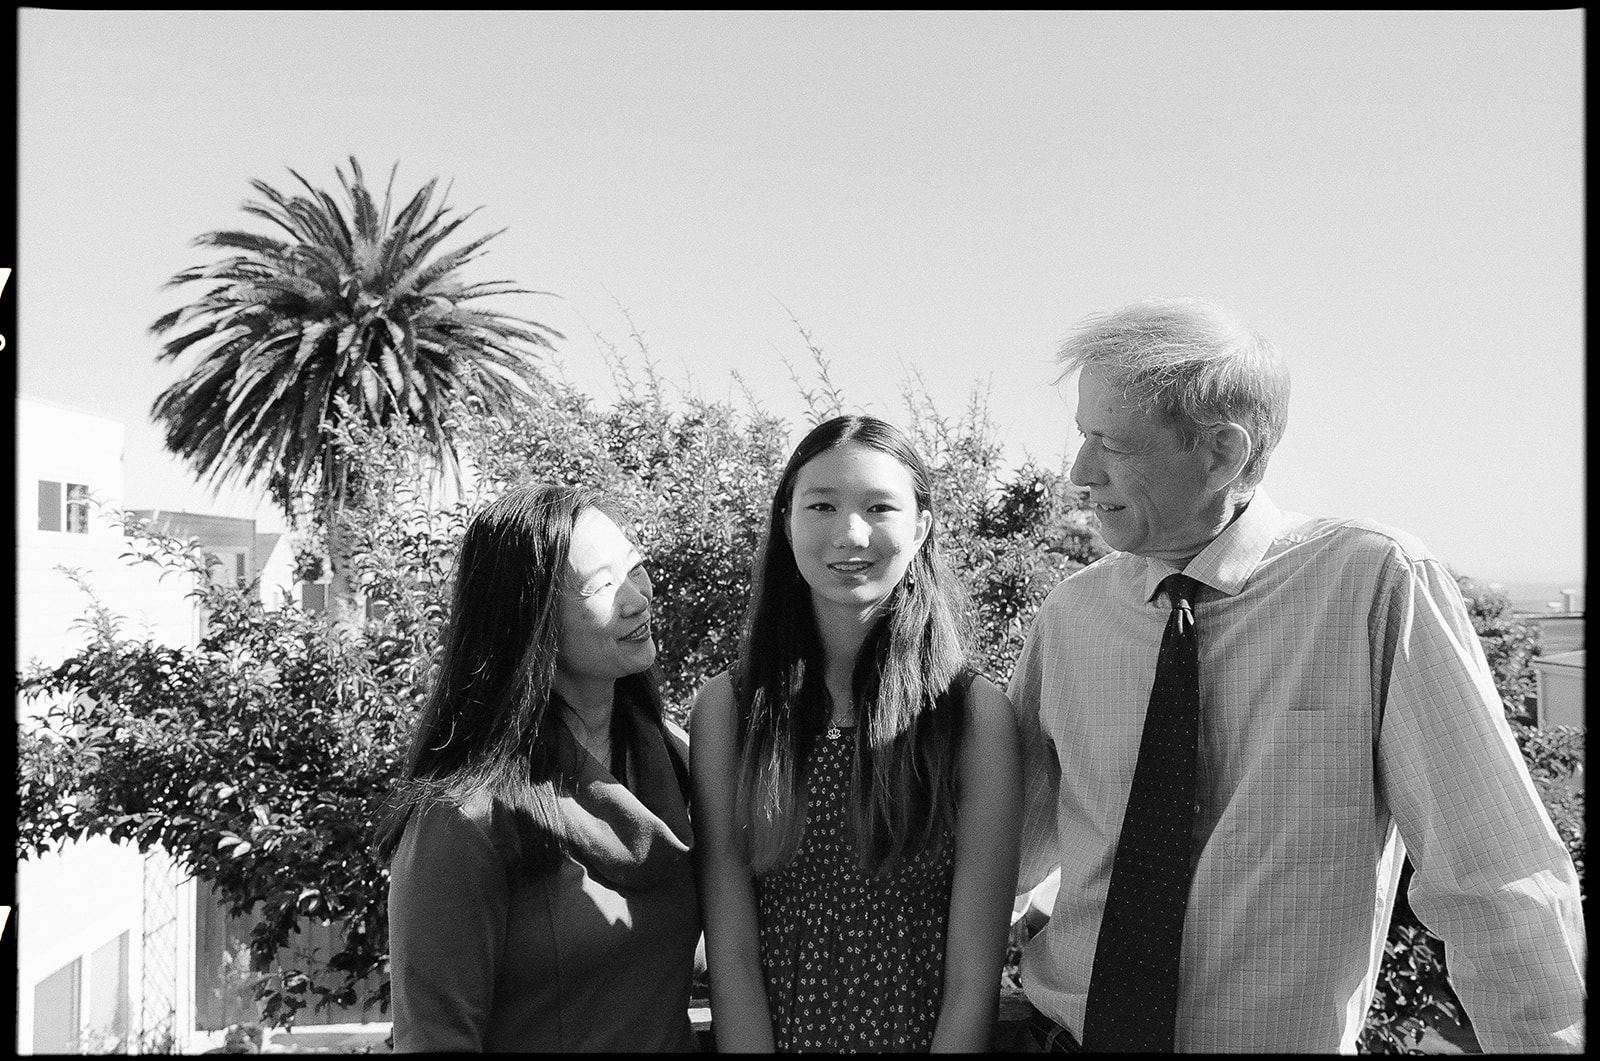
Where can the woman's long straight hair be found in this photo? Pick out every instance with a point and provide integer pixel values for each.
(489, 725)
(908, 686)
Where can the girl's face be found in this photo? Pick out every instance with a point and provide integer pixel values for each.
(605, 608)
(854, 525)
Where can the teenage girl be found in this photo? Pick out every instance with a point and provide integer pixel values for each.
(856, 785)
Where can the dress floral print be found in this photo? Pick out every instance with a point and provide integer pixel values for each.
(852, 962)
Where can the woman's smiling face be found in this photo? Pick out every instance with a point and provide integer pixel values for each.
(854, 525)
(605, 609)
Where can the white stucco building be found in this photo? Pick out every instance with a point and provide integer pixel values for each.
(93, 917)
(1560, 688)
(115, 950)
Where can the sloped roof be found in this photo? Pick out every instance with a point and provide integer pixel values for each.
(1568, 660)
(212, 531)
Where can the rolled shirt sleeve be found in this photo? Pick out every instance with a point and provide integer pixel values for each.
(1491, 875)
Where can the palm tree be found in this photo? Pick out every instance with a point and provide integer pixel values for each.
(350, 305)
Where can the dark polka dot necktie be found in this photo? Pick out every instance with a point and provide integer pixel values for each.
(1133, 991)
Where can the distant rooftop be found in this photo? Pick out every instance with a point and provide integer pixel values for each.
(65, 407)
(1551, 609)
(1573, 660)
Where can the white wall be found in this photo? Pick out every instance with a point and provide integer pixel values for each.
(1560, 689)
(73, 902)
(277, 575)
(64, 445)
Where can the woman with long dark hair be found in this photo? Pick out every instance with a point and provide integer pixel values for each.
(542, 893)
(856, 784)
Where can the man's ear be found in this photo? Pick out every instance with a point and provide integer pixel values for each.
(1229, 451)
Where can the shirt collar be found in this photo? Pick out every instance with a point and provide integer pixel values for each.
(1227, 563)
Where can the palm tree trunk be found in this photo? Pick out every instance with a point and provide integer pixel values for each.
(343, 606)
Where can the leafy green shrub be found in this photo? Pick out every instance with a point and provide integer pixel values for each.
(1555, 760)
(260, 758)
(255, 760)
(1509, 644)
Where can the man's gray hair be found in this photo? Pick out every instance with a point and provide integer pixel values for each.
(1191, 364)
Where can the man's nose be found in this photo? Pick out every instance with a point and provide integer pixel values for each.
(1085, 469)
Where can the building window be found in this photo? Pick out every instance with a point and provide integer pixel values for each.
(77, 508)
(224, 976)
(108, 999)
(56, 1007)
(78, 1014)
(69, 512)
(226, 973)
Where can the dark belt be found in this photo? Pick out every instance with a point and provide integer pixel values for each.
(1050, 1037)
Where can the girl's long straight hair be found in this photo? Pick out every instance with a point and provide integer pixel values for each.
(909, 687)
(489, 724)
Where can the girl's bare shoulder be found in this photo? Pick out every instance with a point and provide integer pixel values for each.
(712, 711)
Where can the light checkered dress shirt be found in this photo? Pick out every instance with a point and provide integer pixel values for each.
(1343, 695)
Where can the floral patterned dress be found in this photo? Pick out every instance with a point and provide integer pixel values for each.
(852, 962)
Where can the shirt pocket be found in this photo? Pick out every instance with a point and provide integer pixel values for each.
(1306, 797)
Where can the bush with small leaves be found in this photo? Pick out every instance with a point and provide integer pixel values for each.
(260, 759)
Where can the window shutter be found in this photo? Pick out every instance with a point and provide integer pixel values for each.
(49, 505)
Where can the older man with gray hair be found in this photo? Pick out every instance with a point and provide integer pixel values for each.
(1238, 723)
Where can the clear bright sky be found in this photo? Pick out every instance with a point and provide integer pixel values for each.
(1395, 199)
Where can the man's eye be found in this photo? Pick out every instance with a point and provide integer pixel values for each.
(1104, 447)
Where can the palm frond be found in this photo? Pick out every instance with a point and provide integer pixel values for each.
(388, 194)
(250, 242)
(427, 273)
(175, 347)
(342, 299)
